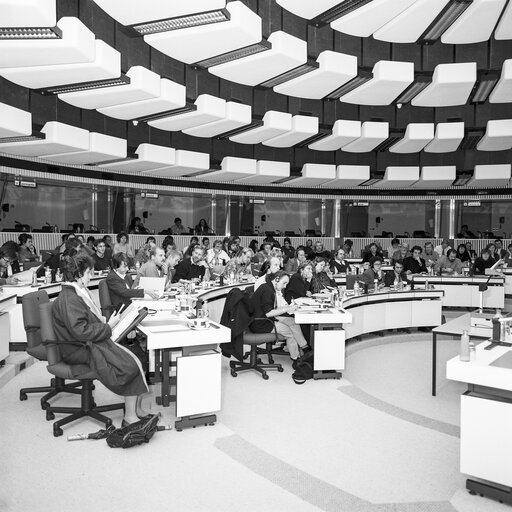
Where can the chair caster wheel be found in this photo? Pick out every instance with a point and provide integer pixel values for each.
(57, 431)
(233, 373)
(179, 430)
(211, 424)
(280, 369)
(23, 396)
(473, 493)
(49, 415)
(265, 376)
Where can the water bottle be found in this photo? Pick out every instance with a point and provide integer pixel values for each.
(21, 265)
(472, 351)
(48, 275)
(58, 276)
(396, 284)
(375, 285)
(206, 312)
(427, 286)
(464, 347)
(34, 279)
(232, 278)
(356, 288)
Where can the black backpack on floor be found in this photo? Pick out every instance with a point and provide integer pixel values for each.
(304, 369)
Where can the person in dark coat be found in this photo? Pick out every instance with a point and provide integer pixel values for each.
(193, 267)
(338, 265)
(77, 318)
(300, 283)
(395, 275)
(321, 280)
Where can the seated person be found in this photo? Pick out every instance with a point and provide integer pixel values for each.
(402, 253)
(8, 256)
(120, 283)
(273, 265)
(292, 264)
(268, 302)
(318, 251)
(462, 253)
(287, 249)
(373, 251)
(217, 257)
(173, 258)
(77, 318)
(483, 262)
(395, 276)
(415, 264)
(300, 283)
(347, 247)
(144, 253)
(188, 251)
(193, 267)
(241, 265)
(178, 228)
(429, 255)
(374, 273)
(449, 264)
(72, 243)
(321, 279)
(395, 245)
(338, 264)
(502, 253)
(101, 262)
(27, 251)
(153, 267)
(264, 252)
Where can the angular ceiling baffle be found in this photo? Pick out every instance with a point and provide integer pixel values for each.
(307, 9)
(408, 26)
(58, 138)
(399, 177)
(172, 97)
(447, 138)
(504, 29)
(14, 123)
(417, 136)
(421, 82)
(502, 93)
(334, 70)
(490, 176)
(198, 43)
(389, 80)
(267, 172)
(364, 21)
(143, 84)
(476, 23)
(209, 109)
(498, 136)
(348, 176)
(436, 177)
(102, 148)
(185, 163)
(232, 168)
(313, 175)
(343, 132)
(77, 44)
(303, 127)
(274, 124)
(237, 115)
(287, 52)
(451, 86)
(147, 157)
(105, 70)
(372, 134)
(29, 19)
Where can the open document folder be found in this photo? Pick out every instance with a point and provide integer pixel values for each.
(130, 317)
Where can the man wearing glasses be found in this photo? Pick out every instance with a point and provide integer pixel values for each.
(8, 256)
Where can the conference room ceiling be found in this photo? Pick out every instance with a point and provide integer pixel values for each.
(372, 94)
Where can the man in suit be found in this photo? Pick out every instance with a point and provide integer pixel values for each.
(415, 264)
(153, 267)
(395, 275)
(375, 272)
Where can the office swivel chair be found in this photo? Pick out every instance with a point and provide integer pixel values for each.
(84, 373)
(35, 348)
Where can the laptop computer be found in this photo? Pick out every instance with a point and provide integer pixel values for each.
(155, 284)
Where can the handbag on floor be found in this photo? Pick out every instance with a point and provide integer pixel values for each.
(303, 368)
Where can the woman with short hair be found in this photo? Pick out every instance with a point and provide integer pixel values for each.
(321, 280)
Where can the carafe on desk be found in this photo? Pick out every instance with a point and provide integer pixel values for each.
(465, 355)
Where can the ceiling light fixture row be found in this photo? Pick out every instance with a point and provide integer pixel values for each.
(30, 33)
(189, 107)
(27, 138)
(310, 65)
(338, 11)
(239, 53)
(85, 86)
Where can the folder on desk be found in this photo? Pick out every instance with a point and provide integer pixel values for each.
(155, 284)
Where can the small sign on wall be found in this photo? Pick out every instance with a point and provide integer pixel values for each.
(23, 182)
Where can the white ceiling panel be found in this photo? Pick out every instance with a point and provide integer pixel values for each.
(101, 148)
(451, 86)
(390, 78)
(335, 69)
(372, 134)
(144, 84)
(237, 115)
(287, 52)
(14, 122)
(410, 24)
(172, 96)
(267, 172)
(274, 124)
(59, 138)
(363, 22)
(313, 175)
(77, 45)
(476, 23)
(502, 93)
(343, 132)
(185, 163)
(504, 29)
(436, 177)
(417, 136)
(149, 157)
(28, 13)
(447, 138)
(498, 136)
(303, 127)
(490, 176)
(232, 168)
(349, 176)
(209, 109)
(106, 65)
(399, 177)
(131, 12)
(193, 44)
(306, 8)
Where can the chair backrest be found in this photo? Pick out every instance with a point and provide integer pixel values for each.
(48, 334)
(31, 264)
(351, 279)
(31, 317)
(105, 300)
